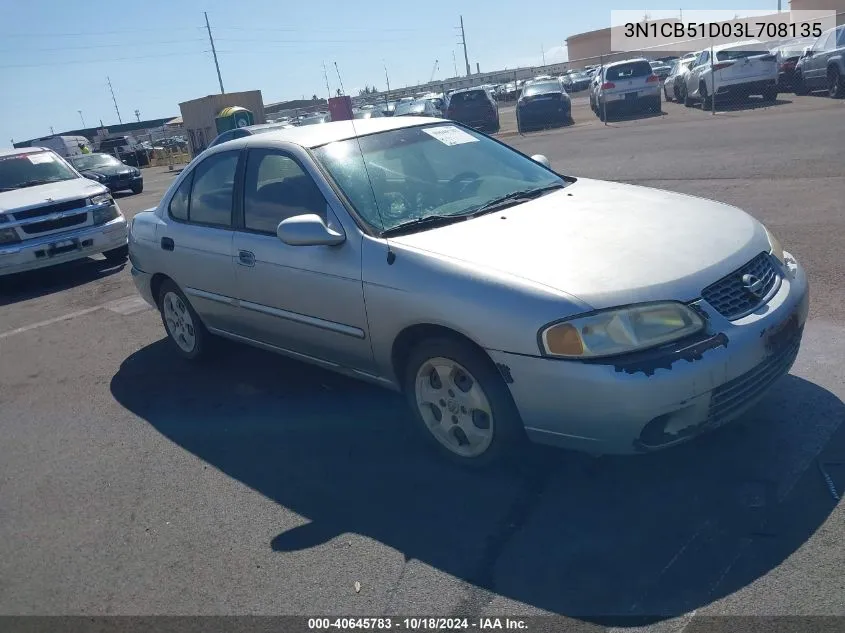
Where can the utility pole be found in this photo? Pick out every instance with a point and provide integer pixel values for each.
(386, 78)
(81, 117)
(543, 52)
(455, 62)
(138, 115)
(326, 77)
(464, 44)
(51, 130)
(214, 52)
(115, 101)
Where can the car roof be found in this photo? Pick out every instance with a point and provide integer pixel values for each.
(739, 45)
(22, 150)
(311, 136)
(474, 89)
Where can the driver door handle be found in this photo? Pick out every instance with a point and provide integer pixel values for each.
(246, 258)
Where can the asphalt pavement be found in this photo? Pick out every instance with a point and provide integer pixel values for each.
(132, 483)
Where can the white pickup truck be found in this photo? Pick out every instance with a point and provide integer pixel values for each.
(50, 214)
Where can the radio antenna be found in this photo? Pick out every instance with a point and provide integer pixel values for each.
(391, 256)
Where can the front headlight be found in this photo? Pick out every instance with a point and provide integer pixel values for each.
(619, 330)
(777, 249)
(103, 198)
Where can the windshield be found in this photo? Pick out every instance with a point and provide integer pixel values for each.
(34, 168)
(540, 88)
(424, 171)
(92, 161)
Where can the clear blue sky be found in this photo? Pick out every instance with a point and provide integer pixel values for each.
(55, 55)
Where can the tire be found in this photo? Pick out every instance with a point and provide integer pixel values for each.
(688, 103)
(136, 189)
(657, 105)
(835, 84)
(706, 100)
(119, 254)
(169, 299)
(799, 86)
(464, 385)
(602, 112)
(770, 94)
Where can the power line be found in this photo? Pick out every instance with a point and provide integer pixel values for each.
(115, 101)
(30, 36)
(87, 46)
(214, 52)
(99, 61)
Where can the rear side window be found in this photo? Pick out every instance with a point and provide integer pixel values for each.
(840, 37)
(180, 201)
(629, 71)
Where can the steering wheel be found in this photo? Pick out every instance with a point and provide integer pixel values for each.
(462, 181)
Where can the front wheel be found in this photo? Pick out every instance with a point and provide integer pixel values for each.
(706, 100)
(138, 188)
(799, 85)
(461, 403)
(184, 327)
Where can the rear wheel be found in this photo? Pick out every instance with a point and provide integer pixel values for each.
(184, 327)
(461, 403)
(835, 84)
(706, 99)
(685, 97)
(770, 94)
(138, 188)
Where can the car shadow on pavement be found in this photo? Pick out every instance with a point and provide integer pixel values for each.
(612, 541)
(44, 281)
(752, 103)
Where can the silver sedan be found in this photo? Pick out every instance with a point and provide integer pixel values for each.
(505, 300)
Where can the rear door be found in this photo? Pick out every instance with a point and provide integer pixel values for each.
(196, 241)
(814, 69)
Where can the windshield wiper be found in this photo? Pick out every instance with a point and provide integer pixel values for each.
(514, 198)
(429, 221)
(33, 183)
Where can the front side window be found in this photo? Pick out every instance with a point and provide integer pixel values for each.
(277, 188)
(420, 171)
(31, 169)
(179, 203)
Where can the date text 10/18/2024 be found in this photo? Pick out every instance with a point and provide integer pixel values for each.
(417, 624)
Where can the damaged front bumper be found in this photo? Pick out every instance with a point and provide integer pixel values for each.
(646, 403)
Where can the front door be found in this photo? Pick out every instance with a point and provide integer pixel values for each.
(304, 299)
(197, 240)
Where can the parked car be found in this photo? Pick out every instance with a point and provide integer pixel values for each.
(367, 114)
(474, 107)
(628, 85)
(50, 214)
(661, 70)
(247, 130)
(106, 169)
(739, 70)
(420, 107)
(579, 82)
(823, 65)
(64, 146)
(423, 273)
(543, 104)
(787, 55)
(126, 149)
(677, 77)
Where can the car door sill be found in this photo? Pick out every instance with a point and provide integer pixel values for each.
(331, 326)
(342, 369)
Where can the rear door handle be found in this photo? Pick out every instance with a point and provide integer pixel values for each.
(167, 243)
(246, 258)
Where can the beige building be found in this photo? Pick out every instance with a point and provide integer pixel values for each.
(198, 115)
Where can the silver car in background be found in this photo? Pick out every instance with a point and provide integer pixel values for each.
(674, 82)
(503, 299)
(627, 86)
(732, 72)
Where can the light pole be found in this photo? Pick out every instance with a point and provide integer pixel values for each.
(81, 118)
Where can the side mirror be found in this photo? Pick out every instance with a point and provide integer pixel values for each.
(808, 51)
(539, 158)
(308, 230)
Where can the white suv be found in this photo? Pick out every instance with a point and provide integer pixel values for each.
(735, 71)
(50, 214)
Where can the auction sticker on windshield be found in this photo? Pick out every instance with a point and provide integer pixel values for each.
(450, 135)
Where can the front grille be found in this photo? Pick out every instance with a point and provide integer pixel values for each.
(54, 225)
(47, 209)
(729, 297)
(732, 396)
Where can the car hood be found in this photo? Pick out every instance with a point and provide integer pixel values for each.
(56, 191)
(605, 243)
